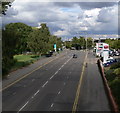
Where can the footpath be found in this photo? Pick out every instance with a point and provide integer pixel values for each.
(21, 73)
(93, 96)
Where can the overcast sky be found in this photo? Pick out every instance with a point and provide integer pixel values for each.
(66, 19)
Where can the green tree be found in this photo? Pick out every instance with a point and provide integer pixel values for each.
(38, 40)
(89, 42)
(9, 42)
(82, 42)
(22, 31)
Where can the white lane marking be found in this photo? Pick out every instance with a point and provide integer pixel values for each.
(36, 92)
(51, 77)
(59, 92)
(44, 84)
(64, 83)
(65, 63)
(59, 69)
(24, 86)
(14, 93)
(52, 105)
(33, 80)
(23, 106)
(56, 72)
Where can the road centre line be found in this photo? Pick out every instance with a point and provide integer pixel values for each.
(23, 106)
(25, 75)
(79, 86)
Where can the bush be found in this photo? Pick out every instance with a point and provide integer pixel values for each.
(34, 56)
(7, 64)
(110, 75)
(117, 71)
(116, 65)
(115, 86)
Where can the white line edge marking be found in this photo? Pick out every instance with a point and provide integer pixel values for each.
(52, 105)
(23, 106)
(45, 84)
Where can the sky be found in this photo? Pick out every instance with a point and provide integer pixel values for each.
(66, 19)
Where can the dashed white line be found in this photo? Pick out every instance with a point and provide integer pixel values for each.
(51, 77)
(23, 106)
(59, 92)
(14, 93)
(52, 105)
(36, 93)
(33, 80)
(56, 72)
(24, 86)
(44, 84)
(60, 69)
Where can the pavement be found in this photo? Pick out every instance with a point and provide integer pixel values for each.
(93, 96)
(53, 86)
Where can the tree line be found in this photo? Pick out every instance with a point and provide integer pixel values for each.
(114, 44)
(79, 43)
(19, 37)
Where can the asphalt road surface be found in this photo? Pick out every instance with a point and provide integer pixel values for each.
(54, 87)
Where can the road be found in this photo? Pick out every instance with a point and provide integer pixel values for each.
(54, 87)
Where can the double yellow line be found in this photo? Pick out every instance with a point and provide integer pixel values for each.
(78, 88)
(28, 74)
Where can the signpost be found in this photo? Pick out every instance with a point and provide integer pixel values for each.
(55, 47)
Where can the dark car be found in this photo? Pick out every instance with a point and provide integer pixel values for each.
(74, 56)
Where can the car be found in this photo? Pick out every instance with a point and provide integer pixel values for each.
(106, 64)
(74, 56)
(117, 53)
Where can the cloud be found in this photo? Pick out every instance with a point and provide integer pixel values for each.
(65, 19)
(86, 5)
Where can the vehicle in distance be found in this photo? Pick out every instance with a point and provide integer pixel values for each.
(74, 56)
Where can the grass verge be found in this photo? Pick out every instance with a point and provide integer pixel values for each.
(24, 60)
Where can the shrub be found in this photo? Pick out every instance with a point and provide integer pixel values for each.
(110, 75)
(117, 71)
(115, 86)
(116, 65)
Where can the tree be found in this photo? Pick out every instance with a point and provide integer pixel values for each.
(82, 42)
(9, 42)
(89, 42)
(5, 5)
(38, 40)
(22, 31)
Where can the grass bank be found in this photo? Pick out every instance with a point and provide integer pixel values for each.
(24, 60)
